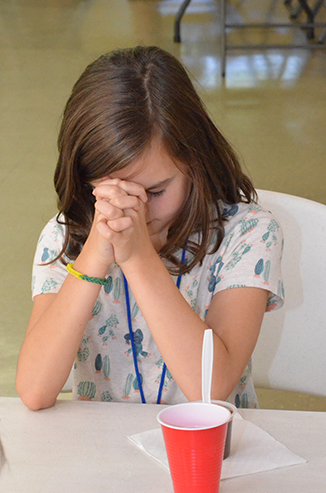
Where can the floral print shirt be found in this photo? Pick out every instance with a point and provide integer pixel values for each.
(249, 255)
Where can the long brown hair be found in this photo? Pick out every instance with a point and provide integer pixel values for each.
(122, 101)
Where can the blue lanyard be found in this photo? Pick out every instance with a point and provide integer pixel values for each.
(132, 341)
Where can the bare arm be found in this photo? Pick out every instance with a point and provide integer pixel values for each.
(58, 321)
(54, 332)
(235, 315)
(57, 324)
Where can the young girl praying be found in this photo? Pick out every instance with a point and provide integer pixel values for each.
(158, 237)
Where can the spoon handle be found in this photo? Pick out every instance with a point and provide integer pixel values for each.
(207, 365)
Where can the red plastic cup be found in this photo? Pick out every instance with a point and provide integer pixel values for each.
(194, 435)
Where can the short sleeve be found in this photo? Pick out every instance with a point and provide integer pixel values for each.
(250, 255)
(48, 277)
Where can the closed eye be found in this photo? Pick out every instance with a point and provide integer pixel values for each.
(156, 194)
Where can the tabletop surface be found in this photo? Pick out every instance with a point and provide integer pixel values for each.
(84, 447)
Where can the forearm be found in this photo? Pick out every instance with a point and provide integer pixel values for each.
(177, 330)
(53, 336)
(234, 315)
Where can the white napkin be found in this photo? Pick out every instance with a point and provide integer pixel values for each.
(252, 450)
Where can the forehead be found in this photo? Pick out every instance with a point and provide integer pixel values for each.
(153, 166)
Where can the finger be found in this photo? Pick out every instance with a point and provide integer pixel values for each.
(106, 191)
(126, 202)
(104, 230)
(119, 225)
(113, 187)
(108, 210)
(106, 181)
(133, 189)
(110, 228)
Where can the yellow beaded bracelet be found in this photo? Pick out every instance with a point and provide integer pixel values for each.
(83, 277)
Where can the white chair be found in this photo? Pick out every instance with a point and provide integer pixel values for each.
(291, 350)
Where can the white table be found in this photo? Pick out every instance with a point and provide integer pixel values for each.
(83, 447)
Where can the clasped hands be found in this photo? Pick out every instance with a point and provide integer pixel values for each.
(120, 219)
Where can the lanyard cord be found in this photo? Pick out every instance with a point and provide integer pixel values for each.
(140, 386)
(132, 341)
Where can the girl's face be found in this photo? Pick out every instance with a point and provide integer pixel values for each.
(166, 186)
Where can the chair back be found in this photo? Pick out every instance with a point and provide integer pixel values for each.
(291, 350)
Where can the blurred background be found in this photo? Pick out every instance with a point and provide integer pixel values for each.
(271, 106)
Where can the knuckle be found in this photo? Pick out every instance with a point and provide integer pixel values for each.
(113, 191)
(117, 201)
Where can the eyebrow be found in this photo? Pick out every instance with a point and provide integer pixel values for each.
(160, 184)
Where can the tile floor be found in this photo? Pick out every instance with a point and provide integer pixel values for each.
(272, 107)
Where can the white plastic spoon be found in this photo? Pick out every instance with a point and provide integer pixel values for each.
(207, 366)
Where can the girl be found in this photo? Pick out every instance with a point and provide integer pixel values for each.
(156, 224)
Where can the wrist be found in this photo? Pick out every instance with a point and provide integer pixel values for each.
(90, 265)
(140, 266)
(83, 277)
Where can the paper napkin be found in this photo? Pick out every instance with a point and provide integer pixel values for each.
(252, 450)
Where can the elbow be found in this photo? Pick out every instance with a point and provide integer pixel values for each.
(34, 403)
(34, 400)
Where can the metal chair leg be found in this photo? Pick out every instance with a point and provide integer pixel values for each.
(223, 36)
(294, 11)
(180, 13)
(310, 19)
